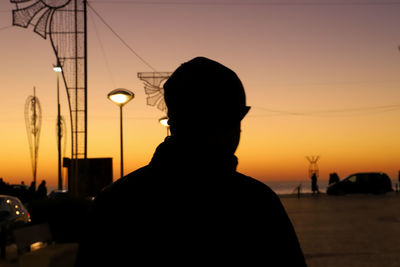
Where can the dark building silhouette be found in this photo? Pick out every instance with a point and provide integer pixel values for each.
(92, 175)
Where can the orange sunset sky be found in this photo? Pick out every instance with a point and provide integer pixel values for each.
(322, 78)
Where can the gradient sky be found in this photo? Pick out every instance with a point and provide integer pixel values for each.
(320, 77)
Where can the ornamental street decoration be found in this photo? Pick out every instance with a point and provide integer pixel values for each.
(64, 22)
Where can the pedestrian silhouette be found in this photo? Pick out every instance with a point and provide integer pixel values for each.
(32, 191)
(189, 205)
(3, 187)
(314, 184)
(42, 190)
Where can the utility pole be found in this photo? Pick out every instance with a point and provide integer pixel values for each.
(58, 69)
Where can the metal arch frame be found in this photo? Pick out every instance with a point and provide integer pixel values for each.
(74, 128)
(43, 12)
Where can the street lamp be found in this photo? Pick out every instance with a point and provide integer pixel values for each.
(58, 69)
(164, 122)
(121, 97)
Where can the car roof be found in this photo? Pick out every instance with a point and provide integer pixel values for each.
(10, 197)
(364, 173)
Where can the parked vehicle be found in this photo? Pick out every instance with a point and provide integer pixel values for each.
(59, 194)
(20, 191)
(368, 182)
(12, 211)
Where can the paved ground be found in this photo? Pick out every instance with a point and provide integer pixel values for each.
(350, 230)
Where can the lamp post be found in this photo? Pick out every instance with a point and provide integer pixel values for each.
(164, 122)
(121, 97)
(58, 69)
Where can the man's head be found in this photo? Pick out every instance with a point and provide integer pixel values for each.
(206, 101)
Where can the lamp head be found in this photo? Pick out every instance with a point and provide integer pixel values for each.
(164, 121)
(120, 96)
(57, 68)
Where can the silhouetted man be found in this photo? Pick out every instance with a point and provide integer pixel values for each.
(189, 206)
(42, 190)
(314, 185)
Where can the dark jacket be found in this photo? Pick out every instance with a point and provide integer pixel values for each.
(188, 208)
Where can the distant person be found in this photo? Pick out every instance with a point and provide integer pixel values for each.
(333, 178)
(399, 179)
(3, 187)
(314, 184)
(42, 190)
(189, 206)
(32, 187)
(32, 191)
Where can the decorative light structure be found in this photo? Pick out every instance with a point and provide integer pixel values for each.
(313, 167)
(121, 97)
(153, 87)
(33, 122)
(64, 21)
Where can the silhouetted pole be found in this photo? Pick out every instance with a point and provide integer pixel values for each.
(120, 97)
(58, 69)
(121, 143)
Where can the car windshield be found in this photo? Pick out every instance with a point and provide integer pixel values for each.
(352, 179)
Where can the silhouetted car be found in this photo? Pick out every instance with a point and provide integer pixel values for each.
(20, 191)
(12, 211)
(59, 194)
(369, 182)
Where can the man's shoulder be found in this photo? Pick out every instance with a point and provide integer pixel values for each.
(124, 185)
(253, 185)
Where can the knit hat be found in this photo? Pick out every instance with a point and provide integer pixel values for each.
(204, 91)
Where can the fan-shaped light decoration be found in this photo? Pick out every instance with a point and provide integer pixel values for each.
(153, 82)
(41, 9)
(33, 122)
(65, 22)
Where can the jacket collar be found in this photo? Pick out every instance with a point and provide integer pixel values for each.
(173, 154)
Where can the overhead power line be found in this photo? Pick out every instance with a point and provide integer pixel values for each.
(5, 28)
(103, 51)
(343, 111)
(120, 38)
(255, 3)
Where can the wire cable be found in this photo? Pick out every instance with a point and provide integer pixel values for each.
(103, 51)
(120, 38)
(344, 111)
(5, 28)
(255, 3)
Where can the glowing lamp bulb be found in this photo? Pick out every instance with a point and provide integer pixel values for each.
(57, 69)
(120, 96)
(120, 99)
(164, 121)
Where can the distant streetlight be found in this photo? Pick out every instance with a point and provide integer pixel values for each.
(164, 122)
(58, 69)
(121, 97)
